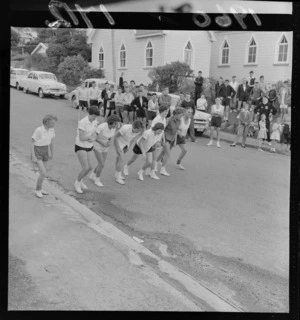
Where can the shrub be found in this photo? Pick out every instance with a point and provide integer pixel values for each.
(170, 75)
(93, 73)
(71, 69)
(38, 62)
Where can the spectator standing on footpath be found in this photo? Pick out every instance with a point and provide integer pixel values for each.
(234, 84)
(208, 92)
(273, 97)
(266, 108)
(140, 104)
(262, 133)
(230, 93)
(285, 137)
(275, 134)
(256, 94)
(121, 82)
(128, 109)
(243, 126)
(119, 103)
(42, 150)
(132, 88)
(186, 104)
(152, 109)
(242, 94)
(262, 84)
(110, 97)
(103, 95)
(93, 95)
(217, 113)
(251, 80)
(283, 98)
(202, 103)
(220, 90)
(198, 85)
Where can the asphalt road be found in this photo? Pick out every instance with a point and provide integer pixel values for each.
(224, 220)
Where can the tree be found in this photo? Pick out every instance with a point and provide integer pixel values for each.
(171, 75)
(93, 73)
(71, 69)
(14, 39)
(38, 62)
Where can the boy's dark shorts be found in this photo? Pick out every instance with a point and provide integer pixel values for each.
(77, 148)
(137, 150)
(41, 153)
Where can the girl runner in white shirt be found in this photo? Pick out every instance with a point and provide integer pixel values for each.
(86, 135)
(124, 139)
(42, 150)
(105, 132)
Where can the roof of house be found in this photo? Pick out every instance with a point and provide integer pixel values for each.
(40, 45)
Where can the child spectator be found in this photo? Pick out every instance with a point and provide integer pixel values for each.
(202, 103)
(275, 135)
(285, 138)
(262, 133)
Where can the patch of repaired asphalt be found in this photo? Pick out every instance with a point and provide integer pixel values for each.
(249, 287)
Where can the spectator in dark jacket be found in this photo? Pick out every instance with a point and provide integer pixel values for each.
(242, 93)
(229, 95)
(220, 90)
(188, 103)
(198, 86)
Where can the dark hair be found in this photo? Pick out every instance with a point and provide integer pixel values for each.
(261, 77)
(158, 126)
(113, 118)
(233, 76)
(106, 82)
(162, 108)
(251, 71)
(49, 117)
(137, 124)
(226, 80)
(285, 81)
(140, 90)
(142, 85)
(132, 81)
(93, 110)
(200, 71)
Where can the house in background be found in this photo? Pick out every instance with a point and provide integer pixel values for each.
(136, 52)
(41, 48)
(239, 52)
(26, 34)
(215, 53)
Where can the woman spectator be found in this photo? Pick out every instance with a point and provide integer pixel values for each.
(202, 103)
(84, 143)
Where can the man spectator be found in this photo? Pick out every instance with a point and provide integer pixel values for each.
(220, 90)
(256, 94)
(230, 93)
(127, 109)
(188, 103)
(208, 92)
(265, 107)
(251, 80)
(121, 82)
(139, 105)
(179, 102)
(242, 94)
(93, 95)
(198, 85)
(234, 84)
(262, 84)
(132, 88)
(103, 95)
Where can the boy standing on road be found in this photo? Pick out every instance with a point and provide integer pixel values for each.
(93, 95)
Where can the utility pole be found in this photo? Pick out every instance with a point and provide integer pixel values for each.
(113, 54)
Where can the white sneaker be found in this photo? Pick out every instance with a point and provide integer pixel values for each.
(218, 145)
(155, 167)
(92, 176)
(210, 143)
(39, 193)
(98, 182)
(180, 166)
(119, 180)
(82, 185)
(147, 172)
(44, 192)
(163, 171)
(77, 187)
(126, 170)
(153, 175)
(140, 174)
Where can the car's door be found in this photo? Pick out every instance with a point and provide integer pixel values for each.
(35, 83)
(27, 82)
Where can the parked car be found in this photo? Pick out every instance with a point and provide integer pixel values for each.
(44, 84)
(16, 74)
(100, 82)
(201, 118)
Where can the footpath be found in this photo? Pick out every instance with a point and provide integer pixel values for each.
(63, 256)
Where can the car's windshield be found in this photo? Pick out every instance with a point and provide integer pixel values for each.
(47, 76)
(22, 72)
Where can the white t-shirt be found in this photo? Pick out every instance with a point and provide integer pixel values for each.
(42, 136)
(152, 106)
(159, 119)
(201, 104)
(126, 135)
(150, 139)
(89, 128)
(183, 127)
(218, 110)
(234, 85)
(106, 134)
(94, 94)
(83, 94)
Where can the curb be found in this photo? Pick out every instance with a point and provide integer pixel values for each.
(191, 285)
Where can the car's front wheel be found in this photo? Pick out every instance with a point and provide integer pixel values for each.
(199, 133)
(41, 93)
(62, 96)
